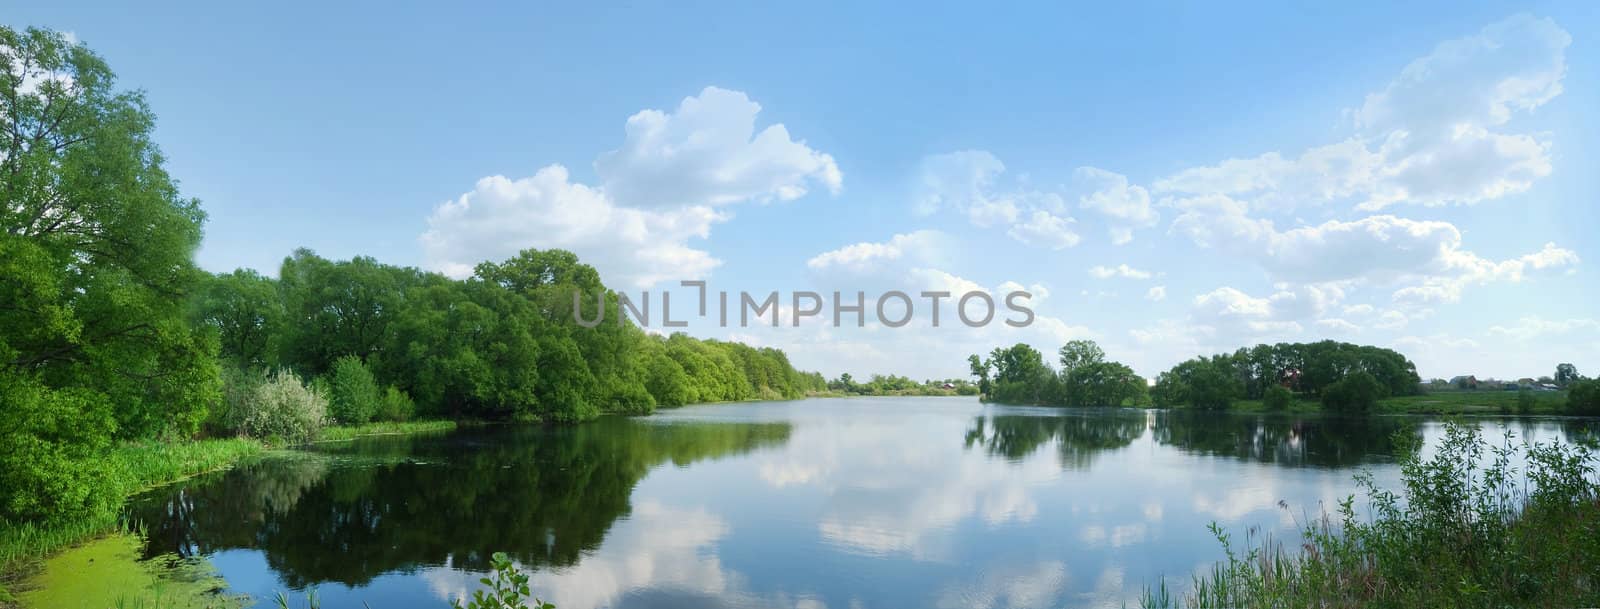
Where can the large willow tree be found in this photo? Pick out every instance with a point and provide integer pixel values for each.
(96, 251)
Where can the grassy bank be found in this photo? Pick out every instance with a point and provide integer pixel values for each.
(1465, 530)
(383, 428)
(137, 467)
(133, 468)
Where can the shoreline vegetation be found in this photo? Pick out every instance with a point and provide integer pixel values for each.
(1325, 376)
(1467, 528)
(137, 467)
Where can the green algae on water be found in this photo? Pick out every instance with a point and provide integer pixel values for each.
(109, 573)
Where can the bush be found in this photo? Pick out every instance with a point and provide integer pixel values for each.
(1465, 528)
(238, 397)
(1583, 397)
(285, 408)
(353, 394)
(1277, 397)
(50, 441)
(396, 405)
(1356, 392)
(1525, 401)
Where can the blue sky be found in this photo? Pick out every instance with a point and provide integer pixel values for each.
(1167, 180)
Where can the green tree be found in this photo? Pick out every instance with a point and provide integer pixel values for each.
(1566, 374)
(353, 396)
(1080, 353)
(97, 243)
(1277, 397)
(1583, 397)
(1356, 393)
(246, 312)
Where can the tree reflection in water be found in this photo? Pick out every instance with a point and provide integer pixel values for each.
(349, 512)
(1315, 441)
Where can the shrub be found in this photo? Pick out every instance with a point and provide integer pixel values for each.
(49, 443)
(237, 398)
(353, 394)
(1583, 397)
(1525, 401)
(1356, 392)
(285, 408)
(507, 589)
(396, 405)
(1463, 529)
(1277, 397)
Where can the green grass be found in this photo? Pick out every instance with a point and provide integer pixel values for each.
(1464, 530)
(133, 468)
(344, 433)
(1483, 401)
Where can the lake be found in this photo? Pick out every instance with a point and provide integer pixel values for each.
(839, 503)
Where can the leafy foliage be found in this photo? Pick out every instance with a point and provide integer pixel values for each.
(396, 406)
(1583, 397)
(507, 589)
(1355, 393)
(1086, 378)
(1305, 368)
(1277, 397)
(1462, 531)
(353, 396)
(283, 407)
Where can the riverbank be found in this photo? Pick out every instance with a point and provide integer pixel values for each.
(138, 467)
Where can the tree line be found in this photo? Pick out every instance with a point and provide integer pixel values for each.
(1343, 376)
(500, 344)
(1019, 375)
(110, 333)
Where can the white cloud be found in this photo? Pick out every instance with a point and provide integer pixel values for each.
(709, 153)
(1334, 324)
(1125, 207)
(1427, 138)
(966, 182)
(1514, 65)
(1234, 312)
(1156, 293)
(918, 245)
(1534, 326)
(658, 192)
(1383, 249)
(1045, 229)
(1121, 270)
(502, 216)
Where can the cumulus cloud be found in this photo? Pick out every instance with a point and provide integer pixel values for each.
(708, 152)
(1384, 248)
(660, 191)
(1156, 293)
(1125, 206)
(1430, 137)
(1534, 326)
(1121, 270)
(919, 245)
(1045, 229)
(967, 182)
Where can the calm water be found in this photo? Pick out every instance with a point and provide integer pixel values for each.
(895, 502)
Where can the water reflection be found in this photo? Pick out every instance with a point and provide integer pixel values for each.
(905, 502)
(545, 496)
(1077, 435)
(1283, 440)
